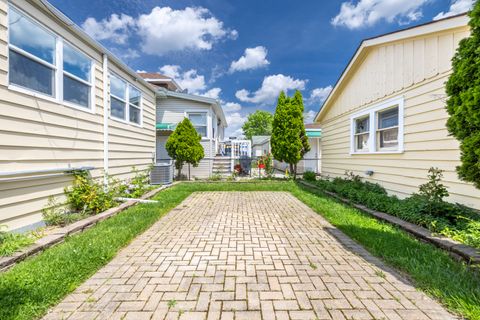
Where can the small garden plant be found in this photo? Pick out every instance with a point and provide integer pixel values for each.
(11, 242)
(426, 208)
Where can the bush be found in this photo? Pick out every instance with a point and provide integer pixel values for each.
(88, 196)
(56, 214)
(426, 208)
(134, 187)
(309, 176)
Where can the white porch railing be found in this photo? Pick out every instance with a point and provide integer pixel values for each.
(240, 149)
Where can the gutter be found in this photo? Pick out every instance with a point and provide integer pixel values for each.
(105, 121)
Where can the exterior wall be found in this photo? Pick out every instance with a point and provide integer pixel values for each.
(415, 69)
(173, 110)
(38, 133)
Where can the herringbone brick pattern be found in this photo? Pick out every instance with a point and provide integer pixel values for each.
(245, 255)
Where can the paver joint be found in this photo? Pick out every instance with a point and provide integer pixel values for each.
(245, 255)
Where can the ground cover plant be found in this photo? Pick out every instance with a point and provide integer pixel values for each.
(426, 208)
(31, 287)
(11, 242)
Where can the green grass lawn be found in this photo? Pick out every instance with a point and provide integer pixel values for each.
(33, 286)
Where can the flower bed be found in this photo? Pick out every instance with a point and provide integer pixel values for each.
(455, 221)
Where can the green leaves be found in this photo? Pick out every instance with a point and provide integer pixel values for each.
(463, 104)
(258, 123)
(183, 145)
(289, 139)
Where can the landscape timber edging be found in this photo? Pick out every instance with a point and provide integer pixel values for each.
(470, 254)
(57, 235)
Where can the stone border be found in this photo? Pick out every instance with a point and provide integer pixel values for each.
(57, 235)
(456, 249)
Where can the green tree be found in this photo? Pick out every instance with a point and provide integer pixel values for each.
(258, 123)
(289, 140)
(184, 146)
(463, 104)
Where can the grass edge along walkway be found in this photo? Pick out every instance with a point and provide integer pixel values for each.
(29, 289)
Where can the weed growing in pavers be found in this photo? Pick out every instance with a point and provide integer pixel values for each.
(172, 303)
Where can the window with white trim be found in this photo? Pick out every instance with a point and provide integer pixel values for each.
(32, 52)
(40, 62)
(378, 129)
(125, 101)
(199, 121)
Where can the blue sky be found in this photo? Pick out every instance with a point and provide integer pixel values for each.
(244, 52)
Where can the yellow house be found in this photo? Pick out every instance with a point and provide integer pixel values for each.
(385, 118)
(66, 103)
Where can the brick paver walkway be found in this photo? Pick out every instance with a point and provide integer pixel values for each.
(245, 255)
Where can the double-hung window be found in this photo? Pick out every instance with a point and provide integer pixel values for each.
(378, 129)
(125, 101)
(77, 86)
(41, 62)
(199, 121)
(32, 54)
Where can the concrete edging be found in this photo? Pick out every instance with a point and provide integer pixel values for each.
(57, 235)
(469, 254)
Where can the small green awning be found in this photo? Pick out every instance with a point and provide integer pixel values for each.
(315, 133)
(165, 126)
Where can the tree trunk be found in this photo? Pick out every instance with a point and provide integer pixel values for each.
(292, 169)
(295, 171)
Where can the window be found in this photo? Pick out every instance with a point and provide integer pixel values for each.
(379, 129)
(76, 77)
(40, 61)
(31, 54)
(387, 129)
(199, 121)
(362, 133)
(120, 93)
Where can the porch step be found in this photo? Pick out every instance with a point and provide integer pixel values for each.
(222, 165)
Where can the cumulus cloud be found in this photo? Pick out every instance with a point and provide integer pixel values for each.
(309, 116)
(368, 12)
(235, 122)
(319, 95)
(165, 29)
(270, 89)
(189, 80)
(116, 28)
(231, 107)
(213, 93)
(253, 58)
(456, 7)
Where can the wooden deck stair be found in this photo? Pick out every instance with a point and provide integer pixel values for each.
(222, 165)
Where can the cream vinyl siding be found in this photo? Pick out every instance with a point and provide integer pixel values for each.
(38, 133)
(415, 69)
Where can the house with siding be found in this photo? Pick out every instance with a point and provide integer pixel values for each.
(68, 104)
(385, 118)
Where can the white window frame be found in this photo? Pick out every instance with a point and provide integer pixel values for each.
(57, 67)
(126, 101)
(372, 112)
(208, 117)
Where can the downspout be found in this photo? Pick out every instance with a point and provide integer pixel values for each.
(105, 120)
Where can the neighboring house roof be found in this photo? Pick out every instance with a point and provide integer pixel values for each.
(258, 140)
(163, 93)
(452, 22)
(312, 126)
(160, 80)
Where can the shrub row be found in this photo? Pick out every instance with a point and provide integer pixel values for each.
(425, 208)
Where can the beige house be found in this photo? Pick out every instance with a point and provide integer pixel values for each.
(385, 118)
(68, 104)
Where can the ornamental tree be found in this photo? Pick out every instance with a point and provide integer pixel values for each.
(258, 123)
(289, 140)
(184, 146)
(463, 104)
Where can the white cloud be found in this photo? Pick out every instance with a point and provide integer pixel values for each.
(213, 93)
(235, 122)
(368, 12)
(189, 80)
(456, 7)
(253, 58)
(270, 89)
(116, 28)
(309, 116)
(231, 107)
(319, 95)
(165, 29)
